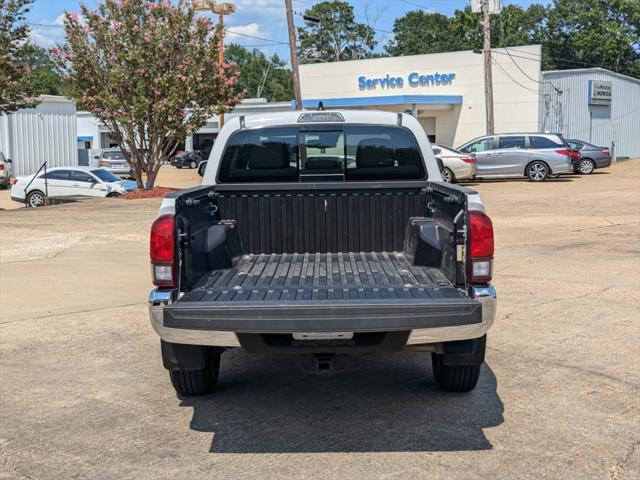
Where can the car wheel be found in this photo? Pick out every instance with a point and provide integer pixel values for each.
(587, 166)
(178, 166)
(537, 171)
(553, 175)
(113, 195)
(197, 382)
(193, 164)
(35, 199)
(448, 176)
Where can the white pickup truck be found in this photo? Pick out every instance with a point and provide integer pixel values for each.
(316, 234)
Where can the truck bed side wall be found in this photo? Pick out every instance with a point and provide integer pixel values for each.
(221, 224)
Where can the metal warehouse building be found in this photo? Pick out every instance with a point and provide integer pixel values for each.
(46, 133)
(594, 105)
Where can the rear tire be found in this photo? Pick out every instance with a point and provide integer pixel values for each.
(587, 166)
(455, 378)
(178, 166)
(537, 171)
(113, 195)
(448, 176)
(193, 165)
(35, 199)
(197, 382)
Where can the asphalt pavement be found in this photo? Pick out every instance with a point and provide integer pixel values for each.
(84, 395)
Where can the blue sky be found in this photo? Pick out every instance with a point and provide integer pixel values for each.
(264, 19)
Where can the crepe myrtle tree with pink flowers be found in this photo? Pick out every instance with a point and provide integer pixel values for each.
(149, 70)
(15, 86)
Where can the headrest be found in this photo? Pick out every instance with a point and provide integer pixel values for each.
(268, 155)
(323, 163)
(374, 152)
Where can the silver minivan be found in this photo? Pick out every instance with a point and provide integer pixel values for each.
(536, 156)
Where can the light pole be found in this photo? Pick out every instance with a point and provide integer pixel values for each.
(221, 9)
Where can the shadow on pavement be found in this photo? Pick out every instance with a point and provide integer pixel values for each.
(382, 402)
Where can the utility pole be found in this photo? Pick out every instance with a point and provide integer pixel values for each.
(294, 56)
(488, 79)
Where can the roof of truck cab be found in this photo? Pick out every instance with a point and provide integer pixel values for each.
(374, 117)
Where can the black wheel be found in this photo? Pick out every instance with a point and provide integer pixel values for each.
(587, 166)
(178, 166)
(447, 175)
(113, 195)
(197, 382)
(537, 171)
(193, 164)
(35, 199)
(454, 378)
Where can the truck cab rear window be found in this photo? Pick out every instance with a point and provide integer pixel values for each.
(345, 153)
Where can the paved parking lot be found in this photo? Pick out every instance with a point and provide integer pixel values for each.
(84, 394)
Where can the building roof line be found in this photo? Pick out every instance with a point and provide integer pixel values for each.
(590, 69)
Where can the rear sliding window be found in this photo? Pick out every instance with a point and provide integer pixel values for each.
(321, 153)
(544, 142)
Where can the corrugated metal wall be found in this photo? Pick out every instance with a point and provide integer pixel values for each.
(570, 113)
(46, 133)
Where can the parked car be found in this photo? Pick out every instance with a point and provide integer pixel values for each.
(5, 171)
(112, 160)
(591, 157)
(536, 156)
(363, 248)
(457, 165)
(68, 182)
(186, 159)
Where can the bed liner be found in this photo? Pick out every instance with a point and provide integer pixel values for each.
(360, 291)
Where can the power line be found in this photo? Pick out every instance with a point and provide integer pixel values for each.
(527, 75)
(232, 32)
(540, 57)
(511, 78)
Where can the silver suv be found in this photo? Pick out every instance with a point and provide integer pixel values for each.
(113, 160)
(536, 156)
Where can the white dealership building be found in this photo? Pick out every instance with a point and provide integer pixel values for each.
(444, 90)
(446, 93)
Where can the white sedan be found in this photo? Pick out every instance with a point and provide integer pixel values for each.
(68, 182)
(457, 165)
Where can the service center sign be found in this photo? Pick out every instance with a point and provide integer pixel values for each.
(599, 92)
(414, 79)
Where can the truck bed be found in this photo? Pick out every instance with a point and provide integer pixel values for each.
(316, 292)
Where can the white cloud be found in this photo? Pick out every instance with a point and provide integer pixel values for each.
(236, 31)
(48, 33)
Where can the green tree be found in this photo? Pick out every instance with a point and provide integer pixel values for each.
(605, 33)
(337, 37)
(261, 76)
(419, 32)
(15, 87)
(149, 70)
(45, 79)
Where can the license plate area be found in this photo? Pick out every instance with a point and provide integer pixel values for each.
(322, 335)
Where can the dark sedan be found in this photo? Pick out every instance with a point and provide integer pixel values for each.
(186, 159)
(591, 157)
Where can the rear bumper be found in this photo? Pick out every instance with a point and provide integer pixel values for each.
(439, 323)
(18, 199)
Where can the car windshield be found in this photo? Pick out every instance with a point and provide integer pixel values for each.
(113, 155)
(105, 175)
